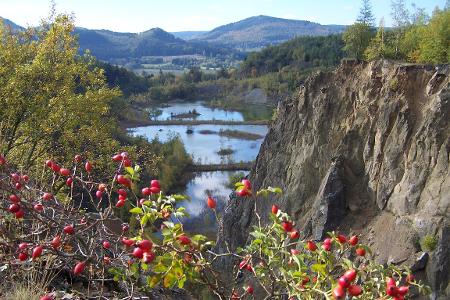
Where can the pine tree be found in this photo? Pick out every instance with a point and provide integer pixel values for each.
(365, 14)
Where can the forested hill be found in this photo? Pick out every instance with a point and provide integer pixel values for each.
(11, 24)
(106, 45)
(260, 31)
(302, 53)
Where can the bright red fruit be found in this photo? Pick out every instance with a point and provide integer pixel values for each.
(155, 190)
(343, 281)
(145, 245)
(120, 203)
(138, 252)
(69, 181)
(391, 290)
(211, 203)
(37, 251)
(287, 226)
(148, 257)
(353, 240)
(184, 240)
(274, 209)
(79, 268)
(243, 192)
(106, 244)
(249, 290)
(122, 198)
(155, 183)
(23, 256)
(99, 194)
(122, 192)
(295, 235)
(38, 207)
(146, 191)
(88, 167)
(77, 158)
(2, 160)
(342, 238)
(242, 264)
(69, 229)
(49, 163)
(127, 242)
(326, 247)
(338, 292)
(55, 167)
(13, 208)
(20, 214)
(15, 177)
(360, 251)
(25, 178)
(56, 242)
(64, 172)
(354, 290)
(391, 282)
(311, 246)
(117, 158)
(14, 198)
(350, 275)
(18, 185)
(126, 163)
(23, 246)
(247, 184)
(403, 290)
(121, 179)
(47, 196)
(46, 297)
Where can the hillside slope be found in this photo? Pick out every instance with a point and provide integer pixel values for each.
(107, 45)
(364, 149)
(260, 31)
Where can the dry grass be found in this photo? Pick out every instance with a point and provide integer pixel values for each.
(28, 283)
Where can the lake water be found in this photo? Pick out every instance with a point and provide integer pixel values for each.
(251, 112)
(203, 148)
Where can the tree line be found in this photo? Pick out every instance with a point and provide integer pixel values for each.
(415, 36)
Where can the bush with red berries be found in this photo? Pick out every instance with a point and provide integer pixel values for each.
(44, 226)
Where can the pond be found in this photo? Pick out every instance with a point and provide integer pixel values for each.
(204, 112)
(203, 143)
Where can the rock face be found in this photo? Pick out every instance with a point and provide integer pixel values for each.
(362, 149)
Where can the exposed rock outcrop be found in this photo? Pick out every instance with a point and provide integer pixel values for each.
(362, 149)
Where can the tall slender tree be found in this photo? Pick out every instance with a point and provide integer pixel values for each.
(365, 14)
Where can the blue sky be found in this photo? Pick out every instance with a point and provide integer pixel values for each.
(180, 15)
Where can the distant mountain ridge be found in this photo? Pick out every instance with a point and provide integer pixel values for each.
(247, 34)
(260, 31)
(107, 45)
(188, 35)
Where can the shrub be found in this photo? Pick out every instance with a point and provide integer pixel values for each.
(41, 231)
(428, 243)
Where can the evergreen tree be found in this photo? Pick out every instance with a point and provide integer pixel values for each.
(365, 13)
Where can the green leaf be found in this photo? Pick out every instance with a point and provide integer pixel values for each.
(276, 190)
(130, 171)
(136, 210)
(170, 280)
(319, 268)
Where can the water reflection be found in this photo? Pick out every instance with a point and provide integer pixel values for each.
(204, 147)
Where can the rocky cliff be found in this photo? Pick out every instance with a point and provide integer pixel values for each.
(363, 149)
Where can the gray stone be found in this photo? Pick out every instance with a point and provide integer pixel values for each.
(388, 124)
